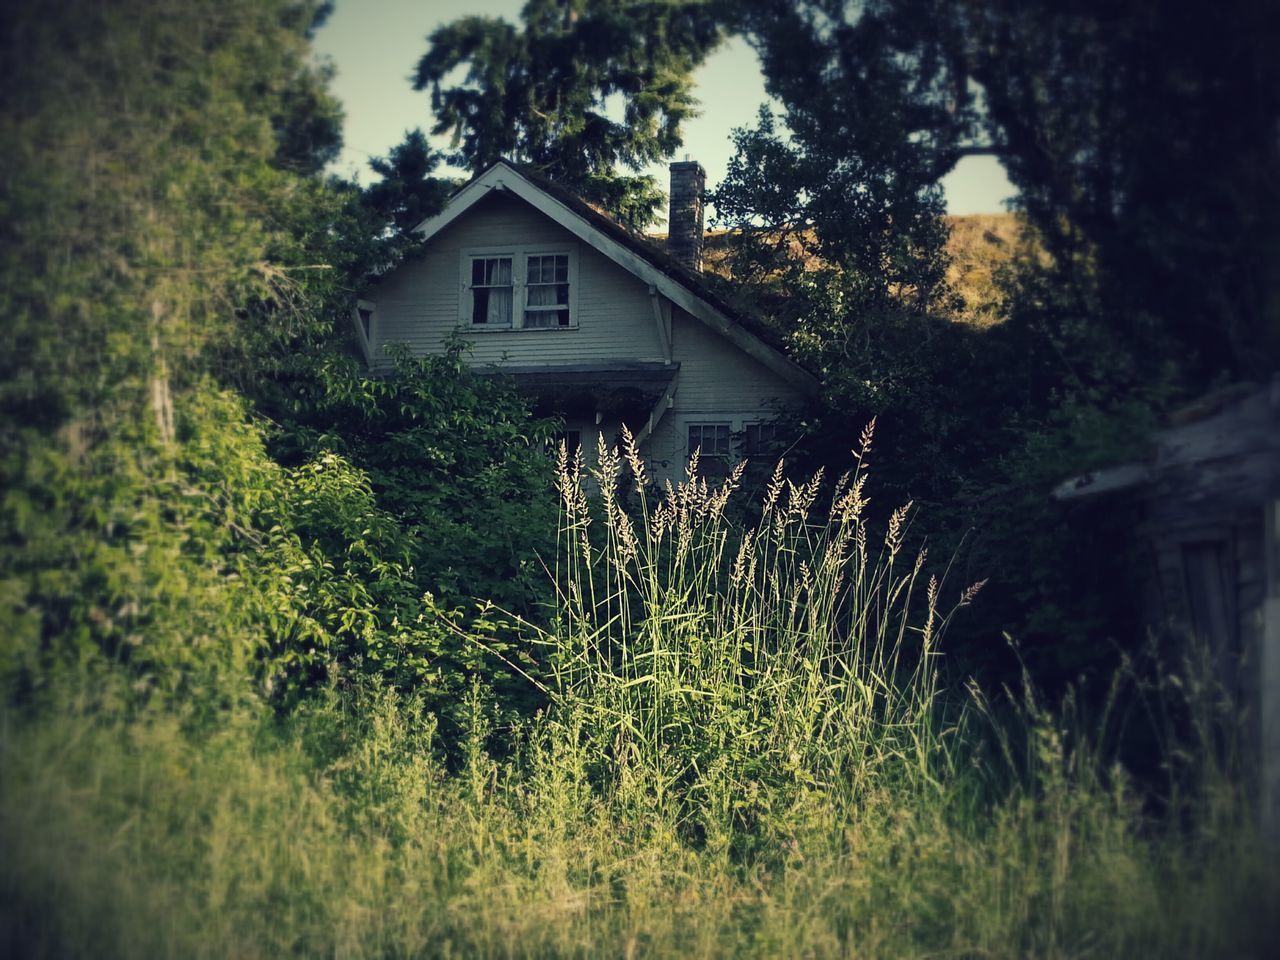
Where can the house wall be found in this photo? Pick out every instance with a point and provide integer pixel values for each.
(718, 382)
(1212, 522)
(419, 304)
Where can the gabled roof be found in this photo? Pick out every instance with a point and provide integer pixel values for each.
(633, 253)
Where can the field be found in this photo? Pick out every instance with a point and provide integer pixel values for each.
(745, 750)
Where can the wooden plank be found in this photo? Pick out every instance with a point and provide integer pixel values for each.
(665, 402)
(1108, 480)
(661, 319)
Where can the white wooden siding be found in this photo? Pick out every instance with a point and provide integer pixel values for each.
(716, 375)
(419, 303)
(718, 383)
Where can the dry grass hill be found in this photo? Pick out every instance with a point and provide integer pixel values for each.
(979, 246)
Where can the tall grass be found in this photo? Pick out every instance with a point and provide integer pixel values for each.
(747, 751)
(709, 662)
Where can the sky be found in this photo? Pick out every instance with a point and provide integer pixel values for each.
(376, 44)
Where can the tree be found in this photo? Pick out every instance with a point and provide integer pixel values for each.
(408, 192)
(870, 127)
(543, 93)
(1143, 144)
(156, 222)
(839, 216)
(1142, 140)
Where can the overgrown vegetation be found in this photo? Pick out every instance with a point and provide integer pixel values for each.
(737, 757)
(299, 661)
(1139, 147)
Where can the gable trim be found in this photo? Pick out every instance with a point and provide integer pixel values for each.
(504, 177)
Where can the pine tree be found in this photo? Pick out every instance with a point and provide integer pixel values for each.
(548, 93)
(409, 191)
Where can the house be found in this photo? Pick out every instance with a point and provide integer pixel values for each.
(1208, 495)
(601, 326)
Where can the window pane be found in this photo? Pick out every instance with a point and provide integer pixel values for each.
(491, 290)
(500, 306)
(713, 439)
(760, 439)
(546, 318)
(491, 305)
(546, 291)
(542, 296)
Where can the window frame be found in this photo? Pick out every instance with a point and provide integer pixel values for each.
(472, 286)
(762, 427)
(519, 254)
(689, 427)
(367, 336)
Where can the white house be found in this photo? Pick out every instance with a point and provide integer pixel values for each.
(600, 325)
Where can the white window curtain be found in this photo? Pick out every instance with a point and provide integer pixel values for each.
(547, 300)
(499, 312)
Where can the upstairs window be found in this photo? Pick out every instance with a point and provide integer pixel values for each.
(547, 290)
(492, 291)
(519, 287)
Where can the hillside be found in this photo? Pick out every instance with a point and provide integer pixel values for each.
(979, 245)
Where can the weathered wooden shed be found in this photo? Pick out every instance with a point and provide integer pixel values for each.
(1209, 500)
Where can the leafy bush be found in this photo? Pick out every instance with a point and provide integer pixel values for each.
(452, 454)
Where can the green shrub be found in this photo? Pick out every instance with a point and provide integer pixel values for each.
(452, 454)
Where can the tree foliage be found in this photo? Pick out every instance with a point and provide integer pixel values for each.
(408, 191)
(1142, 141)
(852, 175)
(453, 454)
(547, 92)
(175, 271)
(837, 216)
(1142, 144)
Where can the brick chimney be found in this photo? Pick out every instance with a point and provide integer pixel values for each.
(684, 220)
